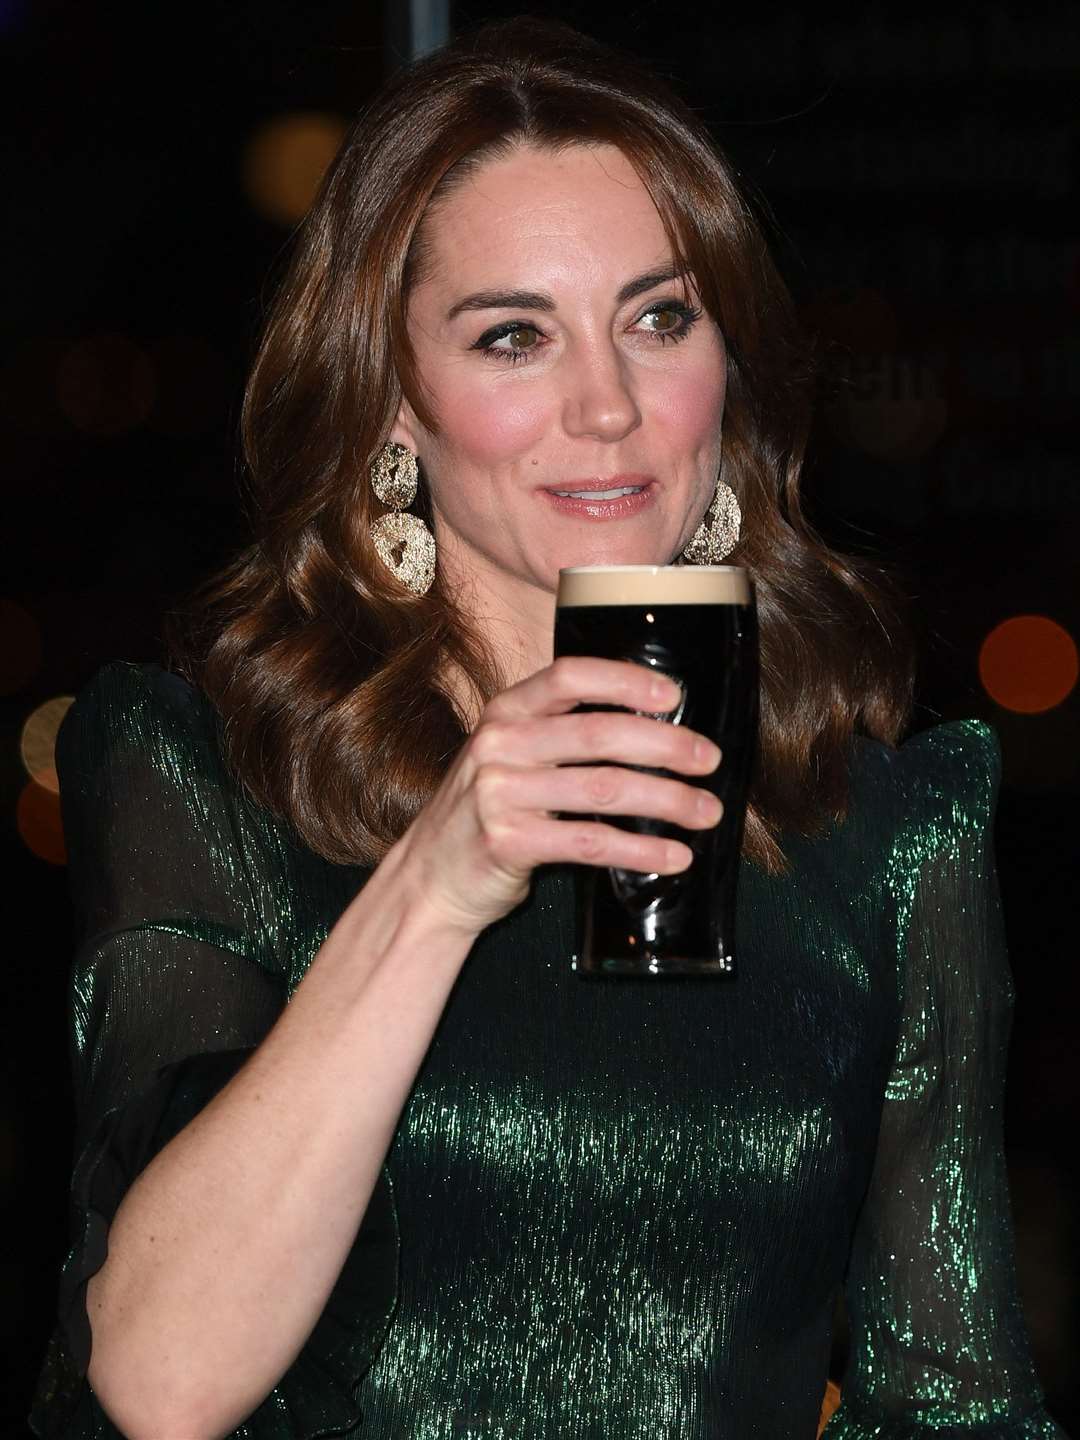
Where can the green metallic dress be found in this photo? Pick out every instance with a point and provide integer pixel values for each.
(612, 1210)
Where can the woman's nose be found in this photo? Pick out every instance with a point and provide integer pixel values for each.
(599, 398)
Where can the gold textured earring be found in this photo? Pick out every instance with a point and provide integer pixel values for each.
(402, 542)
(718, 534)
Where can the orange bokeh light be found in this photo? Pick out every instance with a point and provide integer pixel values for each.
(285, 162)
(1029, 664)
(37, 744)
(37, 815)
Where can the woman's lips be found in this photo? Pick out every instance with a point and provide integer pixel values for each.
(620, 507)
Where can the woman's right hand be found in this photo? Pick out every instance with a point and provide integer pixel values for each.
(471, 850)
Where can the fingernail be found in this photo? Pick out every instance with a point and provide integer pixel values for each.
(708, 806)
(664, 689)
(705, 750)
(678, 856)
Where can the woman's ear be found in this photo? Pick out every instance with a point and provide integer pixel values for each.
(406, 428)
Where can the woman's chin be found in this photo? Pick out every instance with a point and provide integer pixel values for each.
(611, 555)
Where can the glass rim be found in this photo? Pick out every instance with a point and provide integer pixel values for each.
(645, 569)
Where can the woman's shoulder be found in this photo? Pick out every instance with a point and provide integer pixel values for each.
(919, 797)
(139, 741)
(137, 708)
(144, 689)
(908, 805)
(936, 766)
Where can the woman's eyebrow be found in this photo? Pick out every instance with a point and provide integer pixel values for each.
(538, 300)
(662, 275)
(503, 300)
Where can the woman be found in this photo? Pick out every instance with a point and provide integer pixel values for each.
(450, 1189)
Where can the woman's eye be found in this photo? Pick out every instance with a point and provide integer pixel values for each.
(670, 321)
(509, 342)
(665, 319)
(523, 338)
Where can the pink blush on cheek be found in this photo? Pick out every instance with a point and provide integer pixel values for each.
(487, 431)
(689, 415)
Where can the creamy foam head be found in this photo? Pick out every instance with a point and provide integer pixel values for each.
(653, 585)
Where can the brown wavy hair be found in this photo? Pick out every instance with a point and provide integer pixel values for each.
(324, 670)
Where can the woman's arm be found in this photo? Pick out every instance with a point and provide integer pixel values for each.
(225, 1249)
(939, 1345)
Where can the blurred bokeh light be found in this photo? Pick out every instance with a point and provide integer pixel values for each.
(37, 744)
(20, 646)
(105, 385)
(285, 161)
(1028, 664)
(37, 815)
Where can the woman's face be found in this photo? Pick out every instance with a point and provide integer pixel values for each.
(559, 354)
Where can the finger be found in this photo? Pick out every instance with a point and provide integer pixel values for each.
(600, 789)
(595, 735)
(585, 680)
(542, 841)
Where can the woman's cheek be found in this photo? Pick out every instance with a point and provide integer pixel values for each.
(494, 427)
(691, 410)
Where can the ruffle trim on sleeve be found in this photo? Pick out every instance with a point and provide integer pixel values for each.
(856, 1421)
(317, 1395)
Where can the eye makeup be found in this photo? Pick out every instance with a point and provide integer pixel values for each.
(487, 344)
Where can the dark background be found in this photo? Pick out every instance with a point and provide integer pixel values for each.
(916, 168)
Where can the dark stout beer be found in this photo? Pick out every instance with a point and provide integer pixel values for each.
(698, 625)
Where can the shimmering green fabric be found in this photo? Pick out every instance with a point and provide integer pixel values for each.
(614, 1210)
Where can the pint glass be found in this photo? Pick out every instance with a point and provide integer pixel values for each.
(698, 625)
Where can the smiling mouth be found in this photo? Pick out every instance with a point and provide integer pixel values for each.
(619, 498)
(603, 487)
(611, 494)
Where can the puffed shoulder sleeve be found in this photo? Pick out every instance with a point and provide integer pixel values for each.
(939, 1347)
(178, 975)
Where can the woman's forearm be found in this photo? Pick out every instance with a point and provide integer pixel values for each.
(225, 1249)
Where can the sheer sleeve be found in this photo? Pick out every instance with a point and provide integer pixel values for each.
(182, 966)
(939, 1347)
